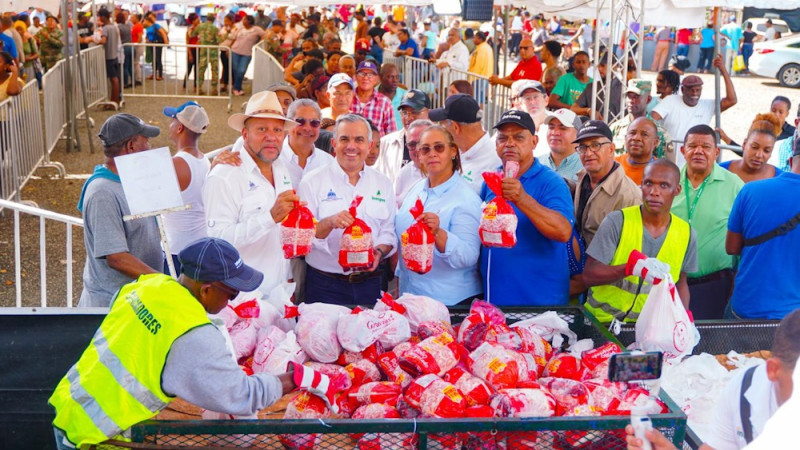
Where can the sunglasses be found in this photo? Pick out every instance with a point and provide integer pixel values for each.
(313, 122)
(425, 149)
(229, 293)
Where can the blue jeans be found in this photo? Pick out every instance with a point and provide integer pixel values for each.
(323, 288)
(240, 63)
(747, 52)
(127, 68)
(60, 436)
(683, 50)
(706, 59)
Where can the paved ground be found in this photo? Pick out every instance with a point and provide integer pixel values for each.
(61, 195)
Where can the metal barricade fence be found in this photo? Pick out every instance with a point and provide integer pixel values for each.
(399, 61)
(55, 115)
(164, 71)
(43, 215)
(266, 69)
(21, 140)
(94, 69)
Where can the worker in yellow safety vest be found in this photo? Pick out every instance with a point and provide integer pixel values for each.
(157, 343)
(637, 247)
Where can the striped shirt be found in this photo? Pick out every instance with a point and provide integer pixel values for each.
(379, 110)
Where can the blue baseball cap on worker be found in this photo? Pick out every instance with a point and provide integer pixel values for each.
(212, 259)
(191, 115)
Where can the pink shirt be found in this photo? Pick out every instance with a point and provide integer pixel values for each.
(245, 40)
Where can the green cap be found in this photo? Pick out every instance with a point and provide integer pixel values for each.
(639, 86)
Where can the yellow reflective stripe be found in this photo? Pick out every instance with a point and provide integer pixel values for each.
(93, 410)
(125, 379)
(607, 308)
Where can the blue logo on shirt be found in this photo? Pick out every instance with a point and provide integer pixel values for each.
(331, 195)
(252, 186)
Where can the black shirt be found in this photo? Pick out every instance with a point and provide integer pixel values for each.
(376, 31)
(787, 131)
(85, 30)
(586, 192)
(749, 36)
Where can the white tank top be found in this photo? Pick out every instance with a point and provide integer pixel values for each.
(185, 227)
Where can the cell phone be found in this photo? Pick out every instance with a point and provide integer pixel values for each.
(635, 366)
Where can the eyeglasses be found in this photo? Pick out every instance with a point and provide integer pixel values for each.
(313, 122)
(439, 148)
(230, 293)
(366, 75)
(526, 47)
(407, 113)
(594, 146)
(412, 145)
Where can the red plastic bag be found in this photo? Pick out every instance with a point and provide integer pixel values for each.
(498, 226)
(564, 365)
(417, 243)
(338, 375)
(495, 365)
(304, 406)
(435, 397)
(475, 390)
(604, 398)
(569, 394)
(434, 328)
(598, 355)
(434, 355)
(482, 315)
(363, 371)
(371, 353)
(355, 251)
(298, 230)
(523, 403)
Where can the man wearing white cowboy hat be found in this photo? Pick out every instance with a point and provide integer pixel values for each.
(246, 203)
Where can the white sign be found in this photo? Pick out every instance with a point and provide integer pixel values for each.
(149, 181)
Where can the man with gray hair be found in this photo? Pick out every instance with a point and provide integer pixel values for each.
(411, 173)
(457, 55)
(117, 251)
(299, 154)
(329, 191)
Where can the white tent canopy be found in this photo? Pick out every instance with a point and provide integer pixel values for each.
(680, 13)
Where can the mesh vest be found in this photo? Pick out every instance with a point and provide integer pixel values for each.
(613, 300)
(117, 381)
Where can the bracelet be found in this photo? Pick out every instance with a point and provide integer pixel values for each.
(381, 252)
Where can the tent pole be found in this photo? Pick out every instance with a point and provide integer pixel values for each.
(717, 92)
(496, 55)
(610, 57)
(640, 41)
(596, 51)
(505, 43)
(69, 58)
(82, 81)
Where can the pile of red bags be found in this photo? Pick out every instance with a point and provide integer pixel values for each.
(417, 243)
(298, 230)
(355, 251)
(498, 226)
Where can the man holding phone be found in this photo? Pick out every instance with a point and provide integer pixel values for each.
(755, 394)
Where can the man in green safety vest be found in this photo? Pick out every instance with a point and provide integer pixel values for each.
(157, 343)
(637, 247)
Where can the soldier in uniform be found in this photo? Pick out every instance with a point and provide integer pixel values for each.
(207, 34)
(50, 43)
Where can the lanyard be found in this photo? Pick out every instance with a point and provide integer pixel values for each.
(693, 205)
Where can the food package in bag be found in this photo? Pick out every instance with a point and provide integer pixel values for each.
(363, 371)
(373, 411)
(268, 340)
(363, 327)
(298, 231)
(390, 366)
(498, 226)
(603, 397)
(483, 315)
(371, 353)
(595, 361)
(564, 365)
(664, 324)
(435, 397)
(304, 406)
(416, 243)
(316, 329)
(567, 393)
(287, 351)
(550, 327)
(434, 355)
(523, 403)
(376, 392)
(416, 308)
(495, 365)
(434, 328)
(274, 306)
(355, 251)
(475, 390)
(243, 336)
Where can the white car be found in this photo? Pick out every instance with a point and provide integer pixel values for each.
(778, 59)
(760, 26)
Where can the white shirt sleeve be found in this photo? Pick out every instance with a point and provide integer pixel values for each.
(726, 422)
(223, 203)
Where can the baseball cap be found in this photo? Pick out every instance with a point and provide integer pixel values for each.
(520, 86)
(123, 126)
(415, 99)
(594, 128)
(639, 86)
(692, 80)
(368, 65)
(461, 108)
(565, 116)
(517, 117)
(191, 115)
(283, 87)
(319, 83)
(362, 44)
(212, 259)
(339, 78)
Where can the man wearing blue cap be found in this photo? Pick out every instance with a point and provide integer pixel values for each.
(117, 252)
(188, 122)
(370, 104)
(157, 343)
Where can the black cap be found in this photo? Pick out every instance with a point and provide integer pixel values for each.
(517, 117)
(460, 108)
(594, 128)
(212, 259)
(124, 126)
(415, 99)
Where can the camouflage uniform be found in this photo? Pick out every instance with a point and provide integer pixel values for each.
(50, 48)
(664, 146)
(207, 34)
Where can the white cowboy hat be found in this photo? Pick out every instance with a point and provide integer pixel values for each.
(265, 105)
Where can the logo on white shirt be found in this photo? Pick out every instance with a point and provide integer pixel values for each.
(331, 196)
(252, 186)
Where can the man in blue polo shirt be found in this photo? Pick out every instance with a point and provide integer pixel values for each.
(534, 272)
(762, 228)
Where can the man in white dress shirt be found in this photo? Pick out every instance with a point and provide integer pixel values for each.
(395, 152)
(329, 191)
(457, 55)
(462, 116)
(411, 173)
(299, 154)
(245, 204)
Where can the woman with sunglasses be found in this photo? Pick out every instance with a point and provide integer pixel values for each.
(452, 212)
